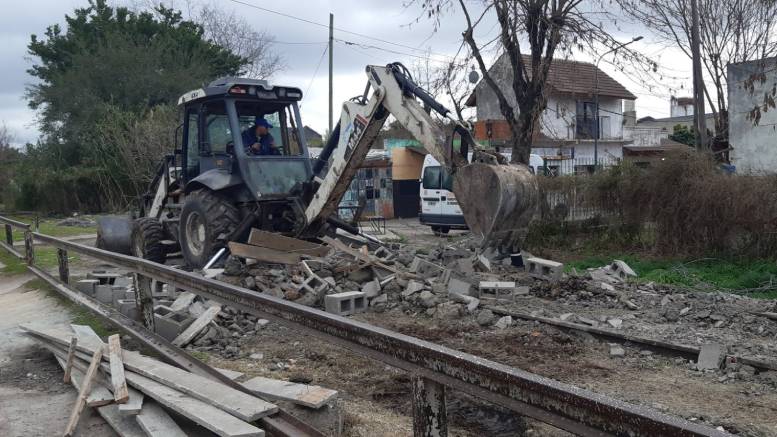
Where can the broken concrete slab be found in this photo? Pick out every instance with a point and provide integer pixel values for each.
(710, 357)
(371, 288)
(617, 350)
(183, 301)
(412, 288)
(504, 322)
(457, 286)
(623, 270)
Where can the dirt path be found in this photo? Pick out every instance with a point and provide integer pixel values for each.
(33, 399)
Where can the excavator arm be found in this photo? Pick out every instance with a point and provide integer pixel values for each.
(496, 198)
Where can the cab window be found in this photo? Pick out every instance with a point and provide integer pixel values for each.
(218, 135)
(192, 144)
(284, 131)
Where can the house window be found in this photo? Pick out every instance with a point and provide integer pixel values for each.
(584, 169)
(586, 120)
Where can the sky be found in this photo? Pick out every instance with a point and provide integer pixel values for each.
(371, 32)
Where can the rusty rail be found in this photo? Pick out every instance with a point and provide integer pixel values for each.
(434, 367)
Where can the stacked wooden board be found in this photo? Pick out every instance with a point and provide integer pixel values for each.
(134, 393)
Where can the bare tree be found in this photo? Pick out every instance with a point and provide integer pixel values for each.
(548, 27)
(236, 34)
(444, 78)
(731, 31)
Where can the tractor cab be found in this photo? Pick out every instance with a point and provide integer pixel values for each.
(216, 121)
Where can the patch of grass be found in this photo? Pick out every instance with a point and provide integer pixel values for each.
(202, 356)
(45, 258)
(49, 226)
(724, 274)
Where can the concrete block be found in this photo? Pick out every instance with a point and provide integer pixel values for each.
(313, 284)
(169, 324)
(87, 286)
(425, 268)
(128, 308)
(457, 286)
(496, 290)
(483, 263)
(710, 357)
(544, 269)
(119, 292)
(104, 293)
(124, 281)
(465, 266)
(371, 288)
(622, 269)
(343, 304)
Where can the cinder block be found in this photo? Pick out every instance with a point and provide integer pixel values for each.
(87, 286)
(128, 308)
(544, 269)
(313, 284)
(169, 324)
(104, 293)
(425, 268)
(119, 293)
(496, 290)
(347, 303)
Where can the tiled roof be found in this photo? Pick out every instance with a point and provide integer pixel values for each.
(570, 77)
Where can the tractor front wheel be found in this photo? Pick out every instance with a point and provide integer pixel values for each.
(207, 220)
(147, 236)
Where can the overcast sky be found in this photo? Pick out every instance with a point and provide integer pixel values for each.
(302, 45)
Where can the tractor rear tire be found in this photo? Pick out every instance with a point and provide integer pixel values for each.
(147, 236)
(207, 220)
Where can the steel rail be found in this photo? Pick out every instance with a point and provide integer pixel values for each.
(685, 351)
(579, 411)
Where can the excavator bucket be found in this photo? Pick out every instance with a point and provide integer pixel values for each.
(498, 202)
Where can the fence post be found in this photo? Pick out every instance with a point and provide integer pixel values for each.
(64, 270)
(9, 235)
(29, 248)
(144, 300)
(430, 416)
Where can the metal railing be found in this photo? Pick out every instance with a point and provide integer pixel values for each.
(435, 368)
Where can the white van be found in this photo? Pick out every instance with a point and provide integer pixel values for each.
(439, 208)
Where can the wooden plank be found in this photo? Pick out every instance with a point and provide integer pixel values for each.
(311, 396)
(231, 374)
(120, 392)
(198, 325)
(99, 395)
(286, 244)
(212, 418)
(134, 405)
(235, 402)
(183, 301)
(86, 335)
(86, 387)
(69, 363)
(263, 254)
(155, 422)
(122, 426)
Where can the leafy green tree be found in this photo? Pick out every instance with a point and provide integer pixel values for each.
(682, 134)
(110, 73)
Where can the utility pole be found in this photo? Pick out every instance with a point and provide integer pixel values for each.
(699, 119)
(331, 45)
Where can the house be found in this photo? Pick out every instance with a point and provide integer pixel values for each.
(313, 138)
(751, 133)
(666, 124)
(570, 124)
(680, 106)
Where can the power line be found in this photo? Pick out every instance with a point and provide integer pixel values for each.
(369, 46)
(316, 71)
(315, 23)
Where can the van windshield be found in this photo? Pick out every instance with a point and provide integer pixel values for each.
(437, 178)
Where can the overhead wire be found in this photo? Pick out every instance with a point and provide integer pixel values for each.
(320, 60)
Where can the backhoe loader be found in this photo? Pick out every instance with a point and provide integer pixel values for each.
(213, 189)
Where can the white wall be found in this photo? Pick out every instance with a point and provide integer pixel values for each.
(754, 147)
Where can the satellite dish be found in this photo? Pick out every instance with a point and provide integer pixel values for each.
(473, 75)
